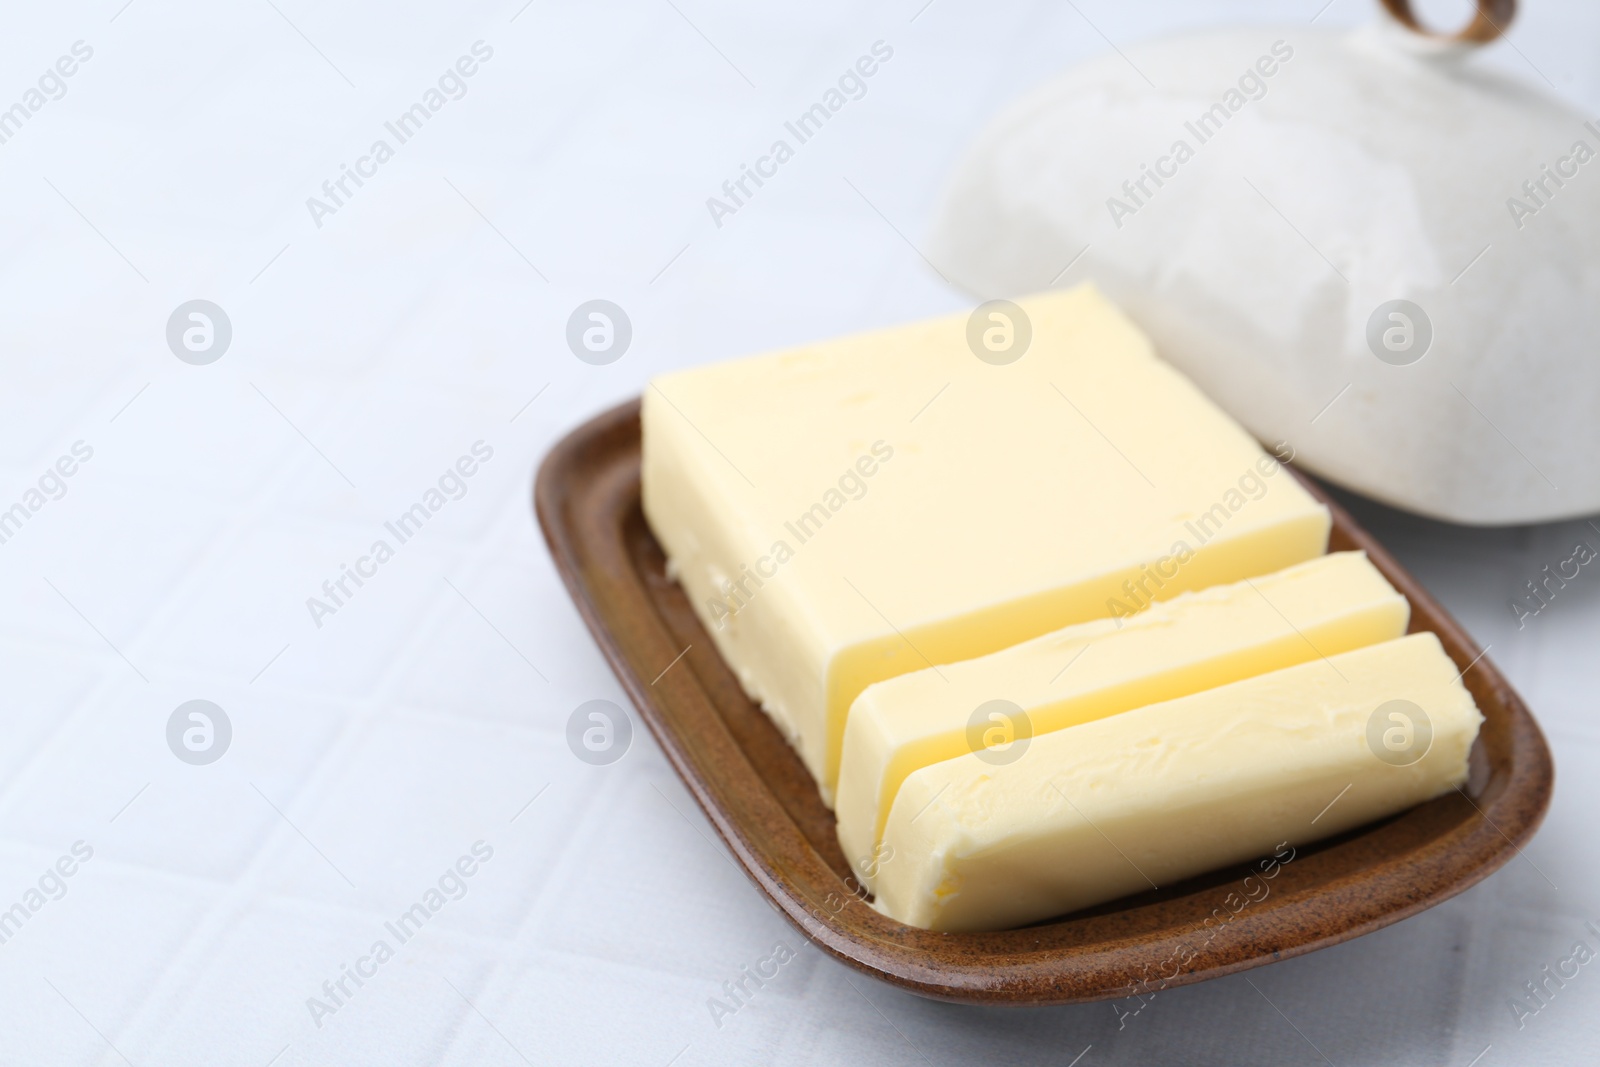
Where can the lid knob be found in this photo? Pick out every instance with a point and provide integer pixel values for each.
(1490, 21)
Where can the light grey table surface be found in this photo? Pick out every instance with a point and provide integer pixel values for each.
(374, 345)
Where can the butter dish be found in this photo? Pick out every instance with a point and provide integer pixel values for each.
(764, 803)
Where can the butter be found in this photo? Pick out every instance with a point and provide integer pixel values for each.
(846, 512)
(1192, 642)
(1160, 793)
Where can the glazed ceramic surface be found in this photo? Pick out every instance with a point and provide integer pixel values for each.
(1363, 243)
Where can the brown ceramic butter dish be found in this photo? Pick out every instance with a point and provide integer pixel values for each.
(765, 805)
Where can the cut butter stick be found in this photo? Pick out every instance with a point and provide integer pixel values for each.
(1195, 641)
(1160, 793)
(846, 512)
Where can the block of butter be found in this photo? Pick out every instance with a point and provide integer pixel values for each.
(1192, 642)
(846, 512)
(1160, 793)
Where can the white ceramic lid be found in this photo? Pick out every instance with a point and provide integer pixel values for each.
(1365, 244)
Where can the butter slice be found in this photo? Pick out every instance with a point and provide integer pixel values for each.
(846, 512)
(1160, 793)
(1192, 642)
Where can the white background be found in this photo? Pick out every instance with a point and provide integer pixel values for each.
(368, 354)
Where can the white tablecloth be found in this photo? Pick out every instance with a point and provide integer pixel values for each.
(375, 341)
